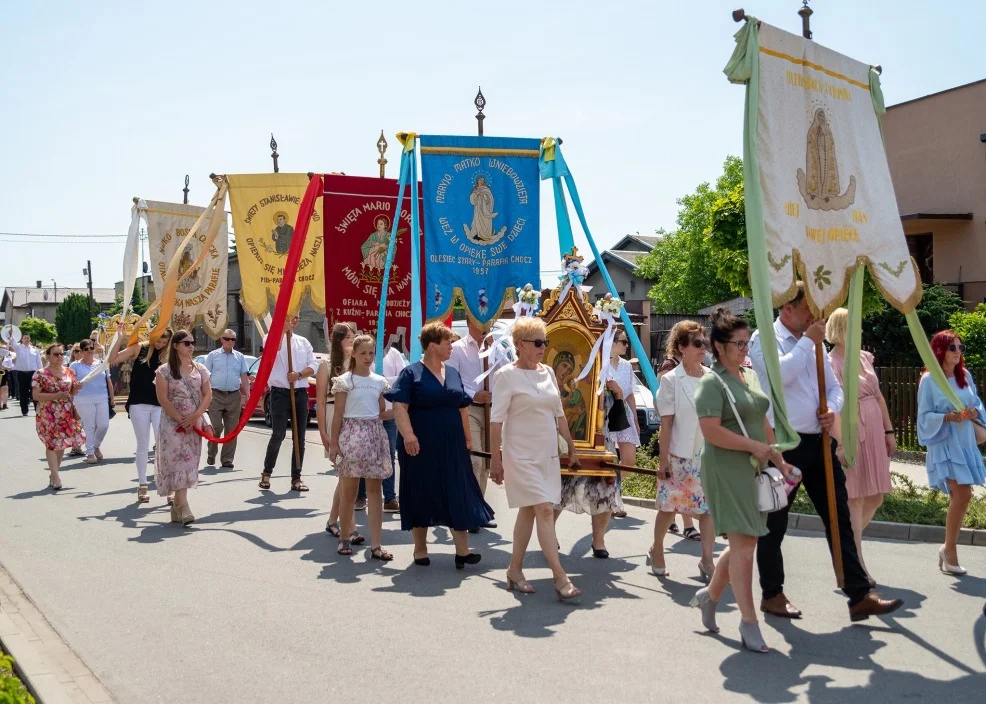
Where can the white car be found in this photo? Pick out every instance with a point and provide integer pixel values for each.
(647, 416)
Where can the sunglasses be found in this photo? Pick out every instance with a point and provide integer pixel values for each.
(623, 342)
(229, 339)
(538, 343)
(85, 349)
(956, 347)
(187, 343)
(699, 343)
(57, 354)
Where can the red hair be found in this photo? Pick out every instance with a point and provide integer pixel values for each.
(939, 345)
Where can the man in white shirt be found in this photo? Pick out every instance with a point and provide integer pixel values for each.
(26, 362)
(465, 360)
(230, 385)
(304, 363)
(393, 365)
(797, 333)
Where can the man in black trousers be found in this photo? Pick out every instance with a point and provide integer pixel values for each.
(797, 333)
(27, 361)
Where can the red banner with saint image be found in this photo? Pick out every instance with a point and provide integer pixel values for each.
(358, 217)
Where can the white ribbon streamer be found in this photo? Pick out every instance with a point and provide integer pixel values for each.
(501, 349)
(605, 341)
(131, 264)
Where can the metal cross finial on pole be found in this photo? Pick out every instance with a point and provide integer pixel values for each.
(806, 13)
(185, 190)
(382, 149)
(480, 103)
(273, 151)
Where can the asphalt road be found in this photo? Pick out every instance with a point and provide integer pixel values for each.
(252, 604)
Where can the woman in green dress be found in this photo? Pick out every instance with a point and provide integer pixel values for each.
(727, 472)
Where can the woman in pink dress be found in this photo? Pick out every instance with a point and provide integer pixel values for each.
(59, 429)
(869, 480)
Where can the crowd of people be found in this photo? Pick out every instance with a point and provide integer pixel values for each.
(425, 418)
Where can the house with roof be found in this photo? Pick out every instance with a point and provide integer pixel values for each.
(38, 301)
(621, 263)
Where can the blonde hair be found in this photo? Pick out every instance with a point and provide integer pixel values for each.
(681, 335)
(527, 326)
(835, 328)
(434, 334)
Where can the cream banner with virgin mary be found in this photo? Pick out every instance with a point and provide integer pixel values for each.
(201, 295)
(828, 201)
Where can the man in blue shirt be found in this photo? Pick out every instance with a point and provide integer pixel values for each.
(230, 385)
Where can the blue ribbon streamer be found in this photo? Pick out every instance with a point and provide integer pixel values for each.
(416, 312)
(406, 160)
(565, 240)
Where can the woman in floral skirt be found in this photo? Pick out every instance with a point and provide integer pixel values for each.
(184, 393)
(57, 425)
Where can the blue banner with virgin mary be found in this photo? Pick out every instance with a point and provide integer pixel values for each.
(481, 211)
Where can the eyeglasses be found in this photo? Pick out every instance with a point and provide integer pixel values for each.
(187, 343)
(699, 343)
(229, 339)
(57, 354)
(538, 343)
(740, 344)
(956, 347)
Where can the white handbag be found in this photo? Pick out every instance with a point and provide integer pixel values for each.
(770, 484)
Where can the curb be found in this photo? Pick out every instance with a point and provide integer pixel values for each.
(46, 665)
(882, 530)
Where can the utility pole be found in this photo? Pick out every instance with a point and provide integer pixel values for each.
(88, 272)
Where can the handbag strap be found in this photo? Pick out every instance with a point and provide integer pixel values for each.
(732, 404)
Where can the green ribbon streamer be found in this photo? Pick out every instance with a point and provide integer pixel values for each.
(851, 364)
(744, 67)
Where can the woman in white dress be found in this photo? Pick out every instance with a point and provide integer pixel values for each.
(526, 412)
(619, 389)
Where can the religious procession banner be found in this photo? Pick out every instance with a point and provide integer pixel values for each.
(481, 222)
(201, 295)
(265, 213)
(360, 212)
(827, 199)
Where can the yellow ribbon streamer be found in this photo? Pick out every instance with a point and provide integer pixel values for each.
(548, 145)
(407, 140)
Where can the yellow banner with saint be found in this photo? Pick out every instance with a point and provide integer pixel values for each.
(265, 213)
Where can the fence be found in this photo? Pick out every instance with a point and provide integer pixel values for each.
(660, 326)
(900, 388)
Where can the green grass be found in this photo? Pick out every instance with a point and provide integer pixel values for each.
(11, 689)
(907, 503)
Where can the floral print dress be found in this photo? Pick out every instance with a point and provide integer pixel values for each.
(178, 453)
(57, 425)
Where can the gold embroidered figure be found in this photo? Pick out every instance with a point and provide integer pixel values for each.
(820, 186)
(191, 284)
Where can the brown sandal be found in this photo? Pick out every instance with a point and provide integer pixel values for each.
(298, 486)
(142, 497)
(381, 554)
(265, 481)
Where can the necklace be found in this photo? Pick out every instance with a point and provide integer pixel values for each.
(537, 371)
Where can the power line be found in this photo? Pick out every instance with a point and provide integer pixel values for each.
(38, 235)
(37, 240)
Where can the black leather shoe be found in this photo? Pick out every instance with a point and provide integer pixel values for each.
(462, 560)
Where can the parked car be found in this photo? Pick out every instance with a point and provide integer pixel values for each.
(647, 416)
(263, 408)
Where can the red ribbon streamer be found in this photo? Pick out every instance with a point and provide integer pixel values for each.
(280, 309)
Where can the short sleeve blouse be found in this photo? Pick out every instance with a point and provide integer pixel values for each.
(362, 394)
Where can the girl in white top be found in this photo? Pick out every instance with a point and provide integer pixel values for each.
(340, 350)
(358, 444)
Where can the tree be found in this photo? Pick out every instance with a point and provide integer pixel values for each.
(885, 331)
(41, 331)
(706, 260)
(72, 319)
(137, 302)
(971, 327)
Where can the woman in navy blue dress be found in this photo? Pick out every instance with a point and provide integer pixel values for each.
(438, 487)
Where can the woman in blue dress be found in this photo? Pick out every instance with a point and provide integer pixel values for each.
(437, 484)
(954, 462)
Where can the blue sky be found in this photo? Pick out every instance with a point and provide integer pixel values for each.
(107, 100)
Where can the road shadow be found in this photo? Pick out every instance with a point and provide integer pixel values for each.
(773, 678)
(322, 548)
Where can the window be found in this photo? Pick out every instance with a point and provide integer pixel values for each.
(633, 286)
